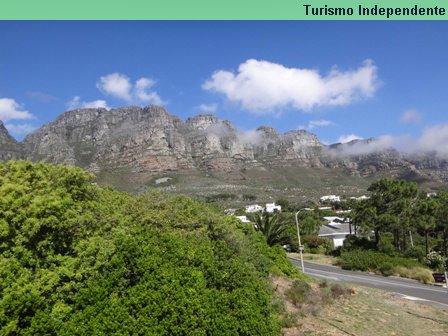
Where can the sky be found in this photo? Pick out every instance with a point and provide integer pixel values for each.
(341, 80)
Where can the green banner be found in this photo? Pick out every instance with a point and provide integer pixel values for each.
(223, 10)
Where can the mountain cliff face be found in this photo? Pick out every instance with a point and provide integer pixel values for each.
(10, 149)
(144, 142)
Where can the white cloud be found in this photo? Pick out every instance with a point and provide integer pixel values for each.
(20, 129)
(402, 143)
(116, 85)
(434, 139)
(319, 123)
(76, 103)
(251, 136)
(120, 86)
(348, 138)
(141, 91)
(42, 96)
(11, 110)
(208, 108)
(262, 87)
(411, 117)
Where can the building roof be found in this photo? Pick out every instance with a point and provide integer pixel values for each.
(334, 229)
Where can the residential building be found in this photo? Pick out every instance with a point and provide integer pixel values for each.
(330, 198)
(254, 208)
(271, 207)
(336, 229)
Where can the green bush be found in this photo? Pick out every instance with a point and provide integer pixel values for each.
(352, 242)
(415, 252)
(435, 261)
(367, 260)
(386, 246)
(318, 245)
(417, 273)
(299, 292)
(76, 259)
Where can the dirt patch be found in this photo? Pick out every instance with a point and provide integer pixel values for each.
(367, 312)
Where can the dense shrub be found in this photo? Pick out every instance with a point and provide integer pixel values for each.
(352, 242)
(299, 292)
(386, 246)
(415, 252)
(315, 244)
(310, 299)
(76, 259)
(367, 260)
(436, 261)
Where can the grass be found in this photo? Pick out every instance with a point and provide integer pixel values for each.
(316, 258)
(332, 309)
(373, 312)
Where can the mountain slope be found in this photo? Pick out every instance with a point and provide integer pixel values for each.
(10, 149)
(132, 147)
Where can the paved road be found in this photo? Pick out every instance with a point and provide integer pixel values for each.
(408, 289)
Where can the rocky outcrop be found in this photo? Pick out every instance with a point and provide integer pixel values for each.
(142, 139)
(10, 149)
(146, 141)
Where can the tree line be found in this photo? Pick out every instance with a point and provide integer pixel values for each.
(397, 211)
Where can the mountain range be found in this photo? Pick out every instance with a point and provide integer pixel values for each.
(134, 148)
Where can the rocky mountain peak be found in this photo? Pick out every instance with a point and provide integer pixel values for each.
(303, 138)
(268, 132)
(205, 121)
(10, 149)
(5, 137)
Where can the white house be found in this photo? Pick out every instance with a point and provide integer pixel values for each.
(360, 198)
(271, 207)
(336, 229)
(243, 219)
(330, 198)
(343, 211)
(254, 208)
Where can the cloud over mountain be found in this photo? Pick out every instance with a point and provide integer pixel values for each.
(11, 110)
(120, 86)
(76, 102)
(263, 87)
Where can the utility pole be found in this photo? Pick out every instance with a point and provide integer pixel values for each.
(298, 237)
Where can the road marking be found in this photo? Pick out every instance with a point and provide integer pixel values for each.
(412, 298)
(324, 276)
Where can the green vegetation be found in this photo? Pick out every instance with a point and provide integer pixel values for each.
(273, 227)
(315, 244)
(309, 299)
(405, 221)
(368, 260)
(76, 259)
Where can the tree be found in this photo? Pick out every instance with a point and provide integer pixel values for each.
(273, 227)
(442, 220)
(389, 209)
(426, 220)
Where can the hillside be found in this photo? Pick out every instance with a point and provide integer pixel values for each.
(134, 148)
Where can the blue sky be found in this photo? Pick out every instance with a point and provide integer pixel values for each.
(336, 79)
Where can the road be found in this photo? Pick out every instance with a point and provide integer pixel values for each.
(408, 289)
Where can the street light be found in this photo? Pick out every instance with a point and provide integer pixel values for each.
(298, 236)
